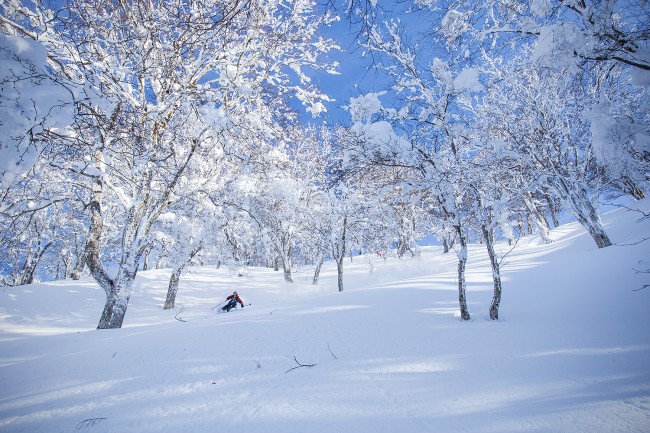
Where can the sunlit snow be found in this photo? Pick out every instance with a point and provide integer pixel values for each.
(571, 352)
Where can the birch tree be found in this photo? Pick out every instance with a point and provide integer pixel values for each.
(429, 109)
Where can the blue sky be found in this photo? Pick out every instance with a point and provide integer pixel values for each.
(354, 74)
(357, 76)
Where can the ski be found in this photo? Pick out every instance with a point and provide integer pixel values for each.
(221, 311)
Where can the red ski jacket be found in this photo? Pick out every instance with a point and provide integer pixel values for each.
(237, 298)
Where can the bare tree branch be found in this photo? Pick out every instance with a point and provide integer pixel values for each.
(299, 365)
(332, 353)
(180, 319)
(90, 422)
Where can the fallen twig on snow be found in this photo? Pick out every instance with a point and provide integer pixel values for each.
(299, 365)
(332, 353)
(647, 271)
(88, 423)
(633, 243)
(180, 319)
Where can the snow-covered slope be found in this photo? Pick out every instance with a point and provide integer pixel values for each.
(571, 352)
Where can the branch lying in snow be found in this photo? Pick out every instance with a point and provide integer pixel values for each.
(88, 423)
(647, 271)
(332, 353)
(299, 365)
(633, 243)
(645, 215)
(180, 319)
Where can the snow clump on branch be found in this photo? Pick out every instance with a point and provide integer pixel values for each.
(30, 103)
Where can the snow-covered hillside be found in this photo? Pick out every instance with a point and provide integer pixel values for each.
(571, 352)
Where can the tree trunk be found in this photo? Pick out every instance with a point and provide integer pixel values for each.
(538, 217)
(587, 214)
(79, 266)
(286, 263)
(520, 225)
(57, 275)
(314, 281)
(117, 291)
(595, 228)
(172, 289)
(91, 252)
(338, 252)
(401, 248)
(599, 236)
(496, 272)
(287, 275)
(552, 209)
(114, 310)
(117, 301)
(462, 262)
(32, 260)
(339, 272)
(145, 264)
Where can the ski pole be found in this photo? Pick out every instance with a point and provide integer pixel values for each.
(219, 304)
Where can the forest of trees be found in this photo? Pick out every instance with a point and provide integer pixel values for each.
(139, 134)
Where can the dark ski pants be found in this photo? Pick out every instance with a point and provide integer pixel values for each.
(230, 305)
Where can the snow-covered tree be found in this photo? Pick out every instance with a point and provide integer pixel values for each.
(41, 226)
(276, 210)
(311, 155)
(567, 32)
(337, 218)
(540, 118)
(619, 127)
(602, 45)
(586, 50)
(428, 106)
(33, 102)
(186, 240)
(178, 81)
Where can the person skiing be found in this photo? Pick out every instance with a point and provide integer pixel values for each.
(233, 299)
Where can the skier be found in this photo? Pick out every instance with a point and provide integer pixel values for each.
(233, 299)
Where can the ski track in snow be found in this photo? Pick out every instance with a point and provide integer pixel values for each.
(571, 352)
